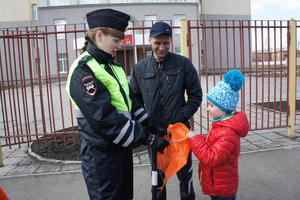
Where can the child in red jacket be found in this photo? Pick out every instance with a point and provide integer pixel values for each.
(219, 151)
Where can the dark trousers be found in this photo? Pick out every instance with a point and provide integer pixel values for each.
(108, 173)
(185, 177)
(222, 198)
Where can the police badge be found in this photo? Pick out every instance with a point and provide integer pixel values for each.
(89, 84)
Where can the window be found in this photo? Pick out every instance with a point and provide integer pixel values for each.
(176, 22)
(149, 20)
(62, 62)
(59, 2)
(88, 1)
(60, 26)
(34, 11)
(178, 50)
(148, 52)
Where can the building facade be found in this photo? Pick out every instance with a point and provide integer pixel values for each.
(65, 24)
(18, 13)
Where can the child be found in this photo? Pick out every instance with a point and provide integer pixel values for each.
(218, 152)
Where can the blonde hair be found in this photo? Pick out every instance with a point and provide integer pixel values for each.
(91, 34)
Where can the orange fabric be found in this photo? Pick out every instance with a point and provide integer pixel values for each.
(3, 196)
(175, 156)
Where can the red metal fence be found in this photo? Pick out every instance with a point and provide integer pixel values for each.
(257, 48)
(34, 62)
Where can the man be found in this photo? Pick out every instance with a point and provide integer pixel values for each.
(159, 82)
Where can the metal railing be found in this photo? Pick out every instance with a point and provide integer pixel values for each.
(34, 62)
(260, 50)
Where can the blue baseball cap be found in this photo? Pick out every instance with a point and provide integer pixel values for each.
(160, 28)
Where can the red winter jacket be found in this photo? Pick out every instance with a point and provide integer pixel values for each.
(218, 154)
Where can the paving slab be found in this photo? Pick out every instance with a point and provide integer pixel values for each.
(71, 167)
(249, 147)
(27, 161)
(24, 170)
(46, 167)
(6, 169)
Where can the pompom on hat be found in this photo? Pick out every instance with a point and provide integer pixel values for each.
(108, 18)
(225, 94)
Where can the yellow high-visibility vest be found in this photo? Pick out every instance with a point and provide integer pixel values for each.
(107, 80)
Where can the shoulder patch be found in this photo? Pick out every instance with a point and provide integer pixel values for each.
(89, 84)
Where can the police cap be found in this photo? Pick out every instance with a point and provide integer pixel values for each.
(108, 18)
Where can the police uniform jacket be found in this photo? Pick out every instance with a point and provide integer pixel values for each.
(161, 86)
(99, 121)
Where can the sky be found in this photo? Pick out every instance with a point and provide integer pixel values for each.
(275, 9)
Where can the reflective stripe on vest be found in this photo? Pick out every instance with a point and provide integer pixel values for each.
(107, 80)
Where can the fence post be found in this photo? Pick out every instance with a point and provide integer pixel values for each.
(1, 156)
(183, 44)
(183, 37)
(292, 79)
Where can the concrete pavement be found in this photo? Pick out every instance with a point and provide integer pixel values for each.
(269, 169)
(268, 175)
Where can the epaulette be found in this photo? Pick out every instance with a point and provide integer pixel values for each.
(84, 60)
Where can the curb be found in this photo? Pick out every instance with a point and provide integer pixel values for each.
(42, 159)
(41, 174)
(271, 149)
(34, 155)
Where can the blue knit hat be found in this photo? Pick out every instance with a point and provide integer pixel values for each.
(225, 94)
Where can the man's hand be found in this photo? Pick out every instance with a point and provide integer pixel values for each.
(157, 142)
(152, 126)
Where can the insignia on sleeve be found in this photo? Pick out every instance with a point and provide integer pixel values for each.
(89, 84)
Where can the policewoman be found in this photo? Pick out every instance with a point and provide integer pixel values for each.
(107, 119)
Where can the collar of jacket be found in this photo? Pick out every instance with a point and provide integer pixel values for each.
(163, 61)
(101, 56)
(222, 118)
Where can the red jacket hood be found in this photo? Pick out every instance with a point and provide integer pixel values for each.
(239, 123)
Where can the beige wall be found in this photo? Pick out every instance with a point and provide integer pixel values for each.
(226, 7)
(15, 10)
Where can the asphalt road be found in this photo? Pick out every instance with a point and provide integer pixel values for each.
(268, 175)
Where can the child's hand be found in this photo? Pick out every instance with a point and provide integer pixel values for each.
(191, 134)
